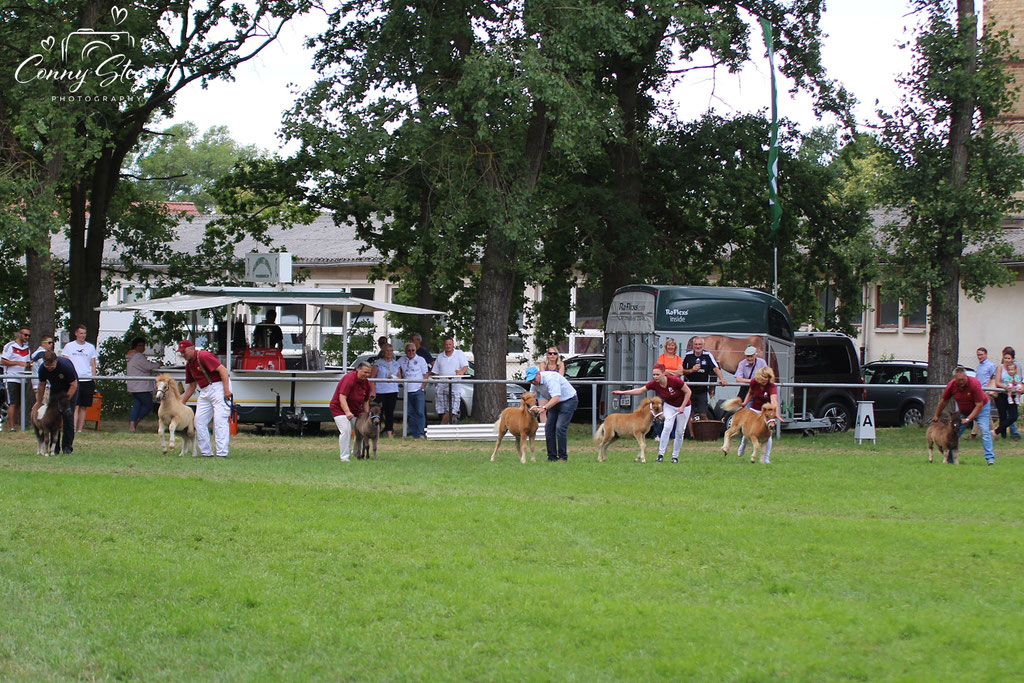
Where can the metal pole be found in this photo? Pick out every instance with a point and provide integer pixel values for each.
(405, 411)
(24, 394)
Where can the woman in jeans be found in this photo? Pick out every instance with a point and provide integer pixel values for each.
(1008, 378)
(140, 389)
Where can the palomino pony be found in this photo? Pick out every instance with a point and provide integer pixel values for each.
(174, 415)
(521, 422)
(757, 427)
(635, 424)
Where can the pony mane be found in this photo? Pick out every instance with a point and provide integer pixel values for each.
(172, 384)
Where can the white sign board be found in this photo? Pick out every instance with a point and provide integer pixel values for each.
(865, 428)
(268, 268)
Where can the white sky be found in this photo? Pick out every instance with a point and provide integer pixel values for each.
(860, 52)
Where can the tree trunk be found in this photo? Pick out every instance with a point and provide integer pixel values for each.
(944, 331)
(425, 323)
(944, 335)
(490, 333)
(41, 294)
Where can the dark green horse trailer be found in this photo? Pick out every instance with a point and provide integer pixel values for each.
(643, 317)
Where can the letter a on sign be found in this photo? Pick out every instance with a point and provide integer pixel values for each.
(865, 428)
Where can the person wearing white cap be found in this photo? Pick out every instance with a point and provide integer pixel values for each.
(747, 367)
(559, 407)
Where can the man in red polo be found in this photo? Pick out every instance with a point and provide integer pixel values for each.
(351, 398)
(205, 371)
(973, 404)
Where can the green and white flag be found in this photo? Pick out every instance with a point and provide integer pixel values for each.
(773, 149)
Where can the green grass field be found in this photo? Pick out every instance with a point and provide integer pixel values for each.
(836, 562)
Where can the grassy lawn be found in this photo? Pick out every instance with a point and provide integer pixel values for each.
(836, 562)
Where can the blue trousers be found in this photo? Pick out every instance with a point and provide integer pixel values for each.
(984, 422)
(142, 405)
(556, 431)
(417, 414)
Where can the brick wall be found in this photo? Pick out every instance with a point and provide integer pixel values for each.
(1008, 15)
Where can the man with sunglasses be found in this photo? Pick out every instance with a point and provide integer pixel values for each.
(45, 344)
(15, 362)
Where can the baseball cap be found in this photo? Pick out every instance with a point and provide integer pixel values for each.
(531, 372)
(750, 351)
(184, 344)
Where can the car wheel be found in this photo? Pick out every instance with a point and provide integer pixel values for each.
(839, 415)
(912, 415)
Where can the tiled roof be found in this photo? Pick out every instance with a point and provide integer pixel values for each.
(319, 243)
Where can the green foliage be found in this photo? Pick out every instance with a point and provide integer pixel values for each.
(362, 338)
(14, 312)
(433, 563)
(179, 164)
(82, 132)
(464, 134)
(948, 225)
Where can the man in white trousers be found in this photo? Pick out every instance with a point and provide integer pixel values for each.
(675, 402)
(203, 370)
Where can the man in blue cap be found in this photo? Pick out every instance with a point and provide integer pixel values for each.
(559, 407)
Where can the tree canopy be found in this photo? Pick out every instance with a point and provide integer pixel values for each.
(459, 135)
(953, 175)
(178, 164)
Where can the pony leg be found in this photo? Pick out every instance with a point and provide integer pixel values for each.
(533, 445)
(171, 428)
(729, 433)
(643, 447)
(163, 438)
(930, 454)
(757, 448)
(521, 448)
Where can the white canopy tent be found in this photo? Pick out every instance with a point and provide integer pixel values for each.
(203, 298)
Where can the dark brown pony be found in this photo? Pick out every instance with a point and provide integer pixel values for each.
(48, 422)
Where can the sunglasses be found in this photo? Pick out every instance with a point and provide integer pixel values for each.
(552, 353)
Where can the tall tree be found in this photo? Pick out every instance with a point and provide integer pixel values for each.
(953, 174)
(119, 86)
(657, 48)
(444, 119)
(179, 164)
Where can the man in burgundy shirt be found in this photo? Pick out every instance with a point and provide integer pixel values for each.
(205, 371)
(351, 398)
(973, 404)
(675, 397)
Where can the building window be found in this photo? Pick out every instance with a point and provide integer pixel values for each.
(827, 301)
(916, 316)
(887, 312)
(516, 342)
(587, 321)
(129, 294)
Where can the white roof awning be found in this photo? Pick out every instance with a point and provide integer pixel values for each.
(202, 298)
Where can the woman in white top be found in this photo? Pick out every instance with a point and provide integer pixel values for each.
(386, 367)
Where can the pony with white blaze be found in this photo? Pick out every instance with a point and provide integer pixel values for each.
(174, 415)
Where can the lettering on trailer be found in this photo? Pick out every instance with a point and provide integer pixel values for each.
(631, 311)
(677, 315)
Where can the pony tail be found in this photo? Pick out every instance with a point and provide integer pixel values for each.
(599, 434)
(732, 404)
